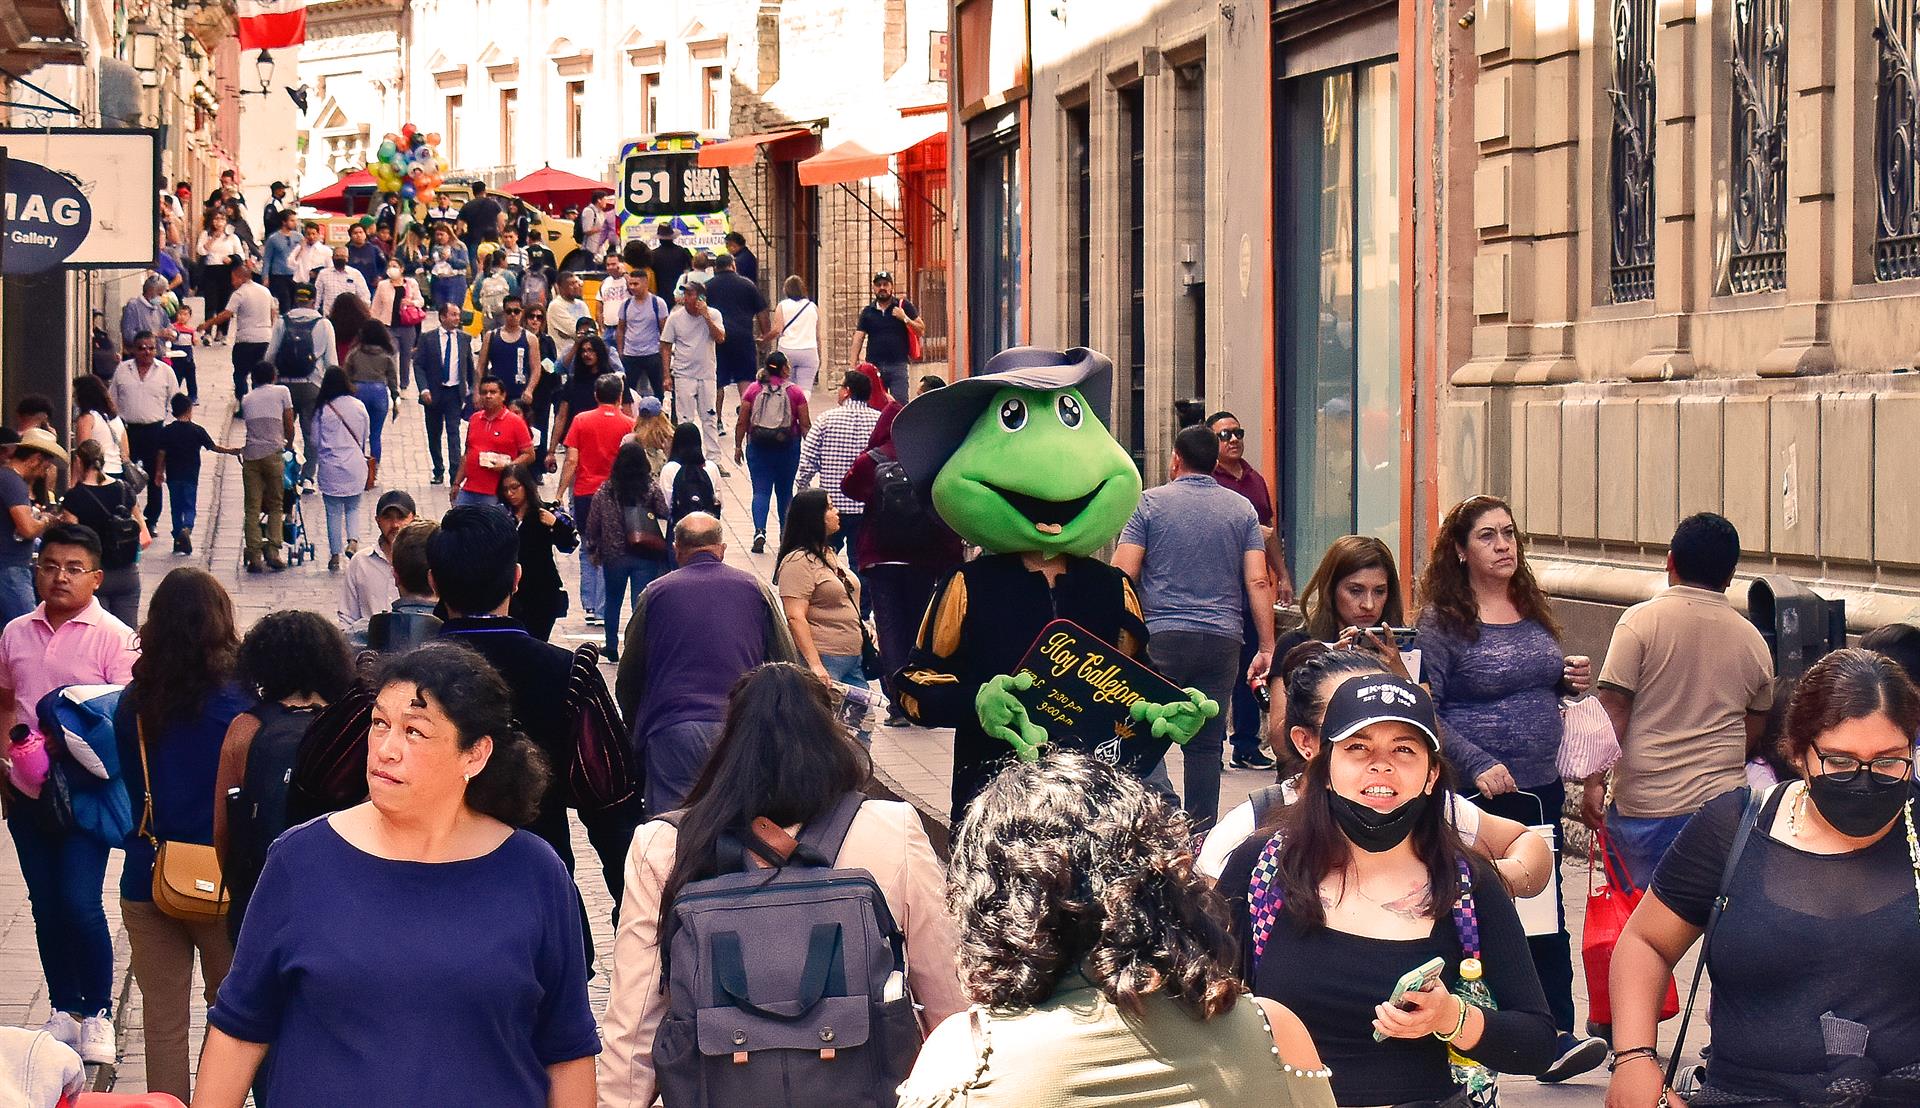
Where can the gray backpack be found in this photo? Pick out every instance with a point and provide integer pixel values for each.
(786, 985)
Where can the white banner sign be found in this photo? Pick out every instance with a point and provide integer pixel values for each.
(117, 172)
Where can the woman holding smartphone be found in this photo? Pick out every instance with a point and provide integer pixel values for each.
(1352, 595)
(1365, 880)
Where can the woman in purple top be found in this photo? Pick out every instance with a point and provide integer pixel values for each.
(1490, 653)
(415, 949)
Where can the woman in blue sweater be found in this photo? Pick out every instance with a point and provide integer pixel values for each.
(180, 701)
(1490, 652)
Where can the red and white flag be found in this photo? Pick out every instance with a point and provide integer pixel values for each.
(267, 24)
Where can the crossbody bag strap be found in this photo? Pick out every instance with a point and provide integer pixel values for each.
(358, 441)
(793, 319)
(866, 637)
(1756, 802)
(146, 781)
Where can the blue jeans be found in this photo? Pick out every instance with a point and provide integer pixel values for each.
(65, 876)
(463, 498)
(844, 668)
(772, 472)
(1640, 842)
(1191, 659)
(894, 376)
(16, 593)
(183, 493)
(625, 573)
(378, 401)
(343, 521)
(593, 583)
(1245, 709)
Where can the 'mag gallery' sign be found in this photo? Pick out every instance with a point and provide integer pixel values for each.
(79, 197)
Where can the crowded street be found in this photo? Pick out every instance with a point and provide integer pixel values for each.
(959, 554)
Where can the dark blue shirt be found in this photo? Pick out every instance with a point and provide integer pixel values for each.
(183, 440)
(183, 758)
(384, 982)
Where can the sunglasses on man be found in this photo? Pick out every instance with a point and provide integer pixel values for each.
(1232, 434)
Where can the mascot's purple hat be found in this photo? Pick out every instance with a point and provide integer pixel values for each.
(930, 428)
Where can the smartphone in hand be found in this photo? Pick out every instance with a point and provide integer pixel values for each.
(1421, 977)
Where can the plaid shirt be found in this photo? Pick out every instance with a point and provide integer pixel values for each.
(836, 442)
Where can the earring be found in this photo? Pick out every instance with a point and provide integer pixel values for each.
(467, 777)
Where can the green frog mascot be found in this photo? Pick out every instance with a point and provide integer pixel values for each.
(1018, 462)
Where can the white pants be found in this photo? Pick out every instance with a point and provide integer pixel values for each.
(805, 363)
(693, 402)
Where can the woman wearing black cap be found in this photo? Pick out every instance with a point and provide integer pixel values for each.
(1365, 881)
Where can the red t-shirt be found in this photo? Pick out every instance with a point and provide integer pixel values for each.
(1250, 485)
(594, 438)
(505, 434)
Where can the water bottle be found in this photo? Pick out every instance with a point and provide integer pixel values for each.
(1473, 990)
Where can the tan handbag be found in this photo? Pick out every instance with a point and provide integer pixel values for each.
(186, 876)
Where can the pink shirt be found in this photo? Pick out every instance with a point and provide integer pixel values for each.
(92, 648)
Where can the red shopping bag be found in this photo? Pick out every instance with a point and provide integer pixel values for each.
(1608, 908)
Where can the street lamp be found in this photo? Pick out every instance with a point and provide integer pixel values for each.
(263, 70)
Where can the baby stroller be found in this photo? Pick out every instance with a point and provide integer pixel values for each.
(299, 540)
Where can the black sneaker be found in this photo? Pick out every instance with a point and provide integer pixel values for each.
(438, 479)
(759, 542)
(1577, 1056)
(186, 542)
(1255, 760)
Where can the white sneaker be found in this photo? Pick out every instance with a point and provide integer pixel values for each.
(63, 1027)
(96, 1044)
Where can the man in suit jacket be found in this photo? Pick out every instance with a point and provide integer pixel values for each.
(443, 372)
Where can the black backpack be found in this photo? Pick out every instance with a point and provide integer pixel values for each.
(257, 811)
(693, 492)
(120, 539)
(897, 512)
(294, 360)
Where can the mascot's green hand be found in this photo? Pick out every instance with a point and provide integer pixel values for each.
(1179, 721)
(1005, 718)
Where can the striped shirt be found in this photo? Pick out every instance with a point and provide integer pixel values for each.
(836, 441)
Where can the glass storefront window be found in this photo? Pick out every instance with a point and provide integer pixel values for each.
(1338, 295)
(993, 178)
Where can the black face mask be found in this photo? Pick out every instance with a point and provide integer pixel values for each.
(1377, 832)
(1862, 806)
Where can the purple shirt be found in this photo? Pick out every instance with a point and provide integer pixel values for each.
(92, 648)
(706, 626)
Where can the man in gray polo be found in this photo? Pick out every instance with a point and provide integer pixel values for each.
(1196, 550)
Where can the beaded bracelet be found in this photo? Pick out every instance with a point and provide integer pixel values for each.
(1458, 1027)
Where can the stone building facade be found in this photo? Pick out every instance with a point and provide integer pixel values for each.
(1687, 237)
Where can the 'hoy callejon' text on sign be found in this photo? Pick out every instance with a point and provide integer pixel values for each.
(1082, 691)
(47, 218)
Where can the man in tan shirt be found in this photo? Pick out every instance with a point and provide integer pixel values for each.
(1687, 683)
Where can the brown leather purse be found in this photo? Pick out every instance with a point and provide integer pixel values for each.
(186, 876)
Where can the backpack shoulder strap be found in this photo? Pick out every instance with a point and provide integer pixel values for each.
(1264, 801)
(826, 832)
(1264, 900)
(1466, 919)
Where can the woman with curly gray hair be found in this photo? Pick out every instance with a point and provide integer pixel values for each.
(1099, 962)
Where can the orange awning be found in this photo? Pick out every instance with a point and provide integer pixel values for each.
(853, 161)
(738, 151)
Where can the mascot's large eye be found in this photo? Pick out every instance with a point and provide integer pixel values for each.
(1069, 410)
(1013, 413)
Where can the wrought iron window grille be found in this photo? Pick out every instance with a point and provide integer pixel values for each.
(1631, 161)
(1758, 260)
(1896, 248)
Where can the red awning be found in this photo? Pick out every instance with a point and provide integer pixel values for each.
(853, 161)
(738, 151)
(333, 198)
(554, 189)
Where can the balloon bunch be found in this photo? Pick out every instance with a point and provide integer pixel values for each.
(409, 163)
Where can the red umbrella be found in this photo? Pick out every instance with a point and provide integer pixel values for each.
(334, 197)
(554, 189)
